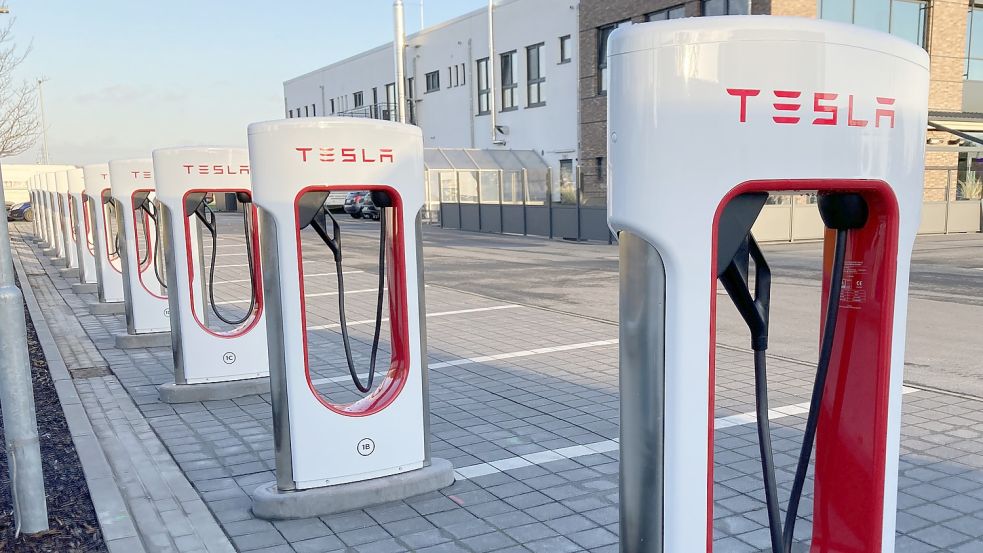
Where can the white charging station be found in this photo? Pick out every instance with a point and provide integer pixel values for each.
(336, 457)
(212, 360)
(102, 213)
(42, 195)
(147, 310)
(38, 222)
(69, 252)
(790, 105)
(82, 233)
(56, 245)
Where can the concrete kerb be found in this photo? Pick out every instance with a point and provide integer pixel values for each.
(118, 530)
(85, 287)
(50, 252)
(271, 504)
(212, 391)
(148, 340)
(107, 308)
(69, 272)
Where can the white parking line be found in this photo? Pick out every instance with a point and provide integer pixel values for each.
(318, 295)
(523, 353)
(429, 315)
(305, 276)
(572, 452)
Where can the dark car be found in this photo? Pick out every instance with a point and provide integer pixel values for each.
(353, 203)
(369, 209)
(21, 212)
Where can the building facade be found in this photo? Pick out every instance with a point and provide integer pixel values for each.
(449, 84)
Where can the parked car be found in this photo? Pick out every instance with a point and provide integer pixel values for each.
(369, 209)
(335, 202)
(353, 203)
(21, 212)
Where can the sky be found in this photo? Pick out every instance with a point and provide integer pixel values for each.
(127, 76)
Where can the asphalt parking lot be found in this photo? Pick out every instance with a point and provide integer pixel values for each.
(522, 336)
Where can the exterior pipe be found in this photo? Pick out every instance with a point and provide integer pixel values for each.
(20, 424)
(492, 111)
(399, 53)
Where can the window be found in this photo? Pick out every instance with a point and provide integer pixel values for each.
(564, 49)
(409, 87)
(291, 112)
(484, 88)
(433, 81)
(357, 99)
(675, 12)
(603, 34)
(306, 113)
(450, 77)
(314, 110)
(509, 79)
(389, 110)
(457, 75)
(463, 69)
(726, 7)
(332, 106)
(534, 76)
(903, 18)
(974, 44)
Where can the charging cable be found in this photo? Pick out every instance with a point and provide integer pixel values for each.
(208, 220)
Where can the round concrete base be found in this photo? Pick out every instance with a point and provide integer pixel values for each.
(69, 272)
(211, 391)
(107, 307)
(85, 287)
(272, 504)
(50, 252)
(148, 340)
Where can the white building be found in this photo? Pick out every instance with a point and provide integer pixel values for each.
(535, 81)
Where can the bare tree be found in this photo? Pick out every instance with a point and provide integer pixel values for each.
(19, 127)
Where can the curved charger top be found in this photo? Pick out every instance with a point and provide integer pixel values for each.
(76, 181)
(129, 175)
(179, 170)
(290, 155)
(96, 178)
(61, 182)
(698, 106)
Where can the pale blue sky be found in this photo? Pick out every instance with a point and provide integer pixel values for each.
(128, 76)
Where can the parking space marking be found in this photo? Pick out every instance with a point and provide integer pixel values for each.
(523, 353)
(305, 276)
(429, 315)
(572, 452)
(317, 295)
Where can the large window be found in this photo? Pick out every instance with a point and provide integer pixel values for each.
(727, 7)
(675, 12)
(974, 43)
(509, 81)
(357, 99)
(484, 88)
(603, 34)
(389, 110)
(433, 81)
(534, 76)
(903, 18)
(564, 49)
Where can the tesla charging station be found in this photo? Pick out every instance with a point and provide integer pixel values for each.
(332, 457)
(217, 354)
(101, 210)
(67, 231)
(55, 244)
(38, 222)
(144, 285)
(792, 105)
(81, 232)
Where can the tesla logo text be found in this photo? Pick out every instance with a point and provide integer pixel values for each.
(216, 169)
(826, 106)
(141, 174)
(346, 155)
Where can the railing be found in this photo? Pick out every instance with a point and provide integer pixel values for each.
(385, 111)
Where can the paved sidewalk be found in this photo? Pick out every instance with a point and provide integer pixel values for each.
(524, 402)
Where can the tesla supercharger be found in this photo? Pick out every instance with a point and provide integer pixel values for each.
(55, 243)
(332, 457)
(217, 354)
(67, 229)
(788, 104)
(101, 210)
(44, 205)
(81, 231)
(32, 186)
(141, 259)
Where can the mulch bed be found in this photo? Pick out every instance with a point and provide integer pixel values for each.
(71, 517)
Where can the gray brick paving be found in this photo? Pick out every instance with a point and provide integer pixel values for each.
(497, 410)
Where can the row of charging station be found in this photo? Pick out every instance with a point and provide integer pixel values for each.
(792, 105)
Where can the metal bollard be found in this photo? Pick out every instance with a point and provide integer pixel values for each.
(20, 425)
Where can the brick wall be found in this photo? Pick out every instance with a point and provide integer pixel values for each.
(947, 46)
